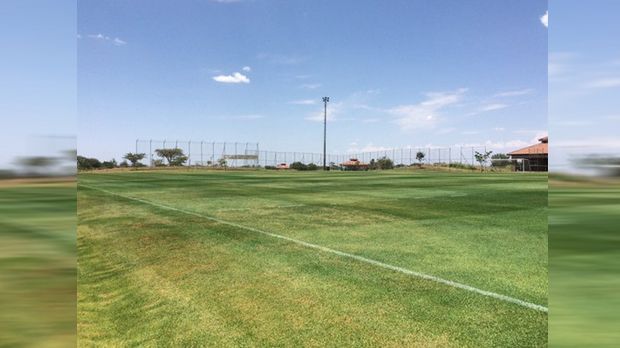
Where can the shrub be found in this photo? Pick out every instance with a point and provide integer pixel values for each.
(298, 166)
(84, 163)
(385, 163)
(109, 164)
(312, 166)
(462, 166)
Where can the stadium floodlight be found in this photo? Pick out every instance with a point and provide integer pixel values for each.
(325, 101)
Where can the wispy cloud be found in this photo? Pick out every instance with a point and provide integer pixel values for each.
(493, 107)
(247, 117)
(246, 68)
(607, 82)
(544, 19)
(281, 58)
(104, 38)
(425, 114)
(226, 1)
(370, 147)
(310, 85)
(236, 77)
(560, 63)
(333, 111)
(303, 102)
(514, 93)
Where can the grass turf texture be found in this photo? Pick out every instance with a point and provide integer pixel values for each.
(150, 275)
(37, 264)
(583, 229)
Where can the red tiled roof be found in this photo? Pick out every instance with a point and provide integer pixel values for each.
(538, 149)
(353, 162)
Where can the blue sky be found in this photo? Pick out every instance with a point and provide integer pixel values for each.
(584, 80)
(37, 78)
(413, 73)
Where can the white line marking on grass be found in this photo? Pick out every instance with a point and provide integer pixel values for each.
(267, 207)
(451, 283)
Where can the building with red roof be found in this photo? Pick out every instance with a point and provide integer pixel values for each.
(534, 157)
(354, 164)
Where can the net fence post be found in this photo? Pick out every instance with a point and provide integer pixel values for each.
(150, 152)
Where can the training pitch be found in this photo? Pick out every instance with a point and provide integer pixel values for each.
(265, 258)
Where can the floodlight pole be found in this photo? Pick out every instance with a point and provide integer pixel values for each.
(325, 101)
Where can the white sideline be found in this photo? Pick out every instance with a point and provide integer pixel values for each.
(267, 207)
(340, 253)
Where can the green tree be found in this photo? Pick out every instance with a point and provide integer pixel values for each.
(385, 163)
(134, 158)
(174, 157)
(299, 166)
(109, 164)
(36, 164)
(373, 164)
(84, 163)
(222, 162)
(482, 158)
(312, 166)
(420, 156)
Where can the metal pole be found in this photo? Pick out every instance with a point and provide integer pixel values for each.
(137, 145)
(151, 152)
(202, 163)
(325, 100)
(189, 153)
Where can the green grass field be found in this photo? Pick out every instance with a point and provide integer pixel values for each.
(583, 229)
(180, 258)
(37, 264)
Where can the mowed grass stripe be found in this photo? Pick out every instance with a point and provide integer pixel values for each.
(495, 238)
(466, 287)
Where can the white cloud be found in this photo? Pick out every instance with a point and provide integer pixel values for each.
(498, 145)
(370, 147)
(544, 19)
(281, 59)
(470, 132)
(246, 68)
(241, 117)
(100, 37)
(515, 93)
(446, 130)
(234, 78)
(492, 107)
(303, 102)
(499, 129)
(609, 82)
(333, 110)
(426, 114)
(119, 42)
(310, 85)
(247, 117)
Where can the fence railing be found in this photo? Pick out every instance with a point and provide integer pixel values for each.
(246, 154)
